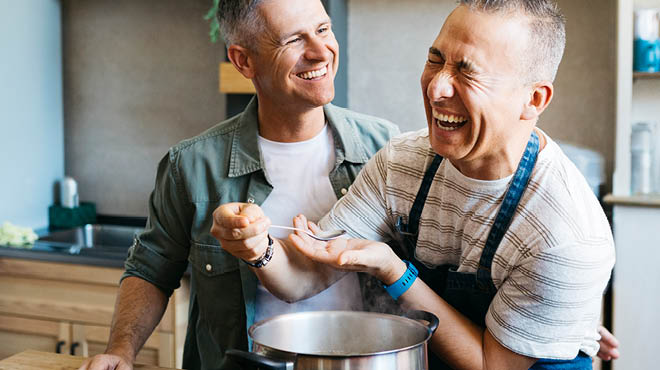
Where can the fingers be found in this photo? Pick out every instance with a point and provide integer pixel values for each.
(237, 215)
(608, 345)
(105, 362)
(237, 221)
(314, 227)
(608, 337)
(248, 249)
(85, 365)
(241, 229)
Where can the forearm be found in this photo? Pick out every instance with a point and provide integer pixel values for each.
(291, 276)
(458, 341)
(139, 307)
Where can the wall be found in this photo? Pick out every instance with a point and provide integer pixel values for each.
(139, 76)
(388, 44)
(31, 143)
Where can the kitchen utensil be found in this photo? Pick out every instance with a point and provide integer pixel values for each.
(321, 235)
(334, 340)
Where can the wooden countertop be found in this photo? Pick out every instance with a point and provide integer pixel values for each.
(35, 360)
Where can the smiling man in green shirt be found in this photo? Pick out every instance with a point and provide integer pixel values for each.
(288, 50)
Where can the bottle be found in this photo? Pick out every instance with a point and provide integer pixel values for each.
(641, 169)
(69, 193)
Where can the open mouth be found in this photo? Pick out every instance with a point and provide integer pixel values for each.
(313, 75)
(448, 122)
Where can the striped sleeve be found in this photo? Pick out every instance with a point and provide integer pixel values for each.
(362, 212)
(551, 301)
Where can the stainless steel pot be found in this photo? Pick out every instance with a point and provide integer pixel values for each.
(334, 340)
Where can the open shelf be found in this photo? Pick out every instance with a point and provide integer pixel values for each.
(646, 75)
(232, 82)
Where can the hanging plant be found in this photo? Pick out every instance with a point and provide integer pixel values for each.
(215, 26)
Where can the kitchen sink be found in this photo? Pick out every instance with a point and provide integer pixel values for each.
(92, 236)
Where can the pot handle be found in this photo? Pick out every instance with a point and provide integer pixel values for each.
(255, 361)
(424, 315)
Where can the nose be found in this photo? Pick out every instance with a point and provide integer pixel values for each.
(441, 86)
(316, 49)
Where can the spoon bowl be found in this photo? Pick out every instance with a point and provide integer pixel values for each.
(322, 235)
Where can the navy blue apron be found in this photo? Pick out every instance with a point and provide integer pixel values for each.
(470, 293)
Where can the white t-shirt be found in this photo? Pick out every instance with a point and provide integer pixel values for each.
(551, 267)
(299, 175)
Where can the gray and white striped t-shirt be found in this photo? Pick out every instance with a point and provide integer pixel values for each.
(550, 269)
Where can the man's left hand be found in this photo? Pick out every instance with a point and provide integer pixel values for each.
(361, 255)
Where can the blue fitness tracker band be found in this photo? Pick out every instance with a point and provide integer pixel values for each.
(400, 286)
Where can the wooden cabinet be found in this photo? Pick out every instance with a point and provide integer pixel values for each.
(18, 334)
(49, 306)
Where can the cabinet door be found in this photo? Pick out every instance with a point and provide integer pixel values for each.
(18, 334)
(90, 340)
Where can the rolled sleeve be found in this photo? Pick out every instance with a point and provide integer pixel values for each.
(160, 254)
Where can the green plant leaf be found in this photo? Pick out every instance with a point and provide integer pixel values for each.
(214, 33)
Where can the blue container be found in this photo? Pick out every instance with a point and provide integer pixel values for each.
(646, 55)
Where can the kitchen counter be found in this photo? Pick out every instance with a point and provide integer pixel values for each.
(34, 360)
(44, 251)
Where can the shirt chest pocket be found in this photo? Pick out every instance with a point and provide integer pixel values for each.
(211, 260)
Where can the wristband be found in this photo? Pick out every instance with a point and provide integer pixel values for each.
(263, 260)
(400, 286)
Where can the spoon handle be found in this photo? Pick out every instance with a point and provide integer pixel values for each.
(288, 228)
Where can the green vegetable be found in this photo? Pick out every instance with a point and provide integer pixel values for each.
(17, 236)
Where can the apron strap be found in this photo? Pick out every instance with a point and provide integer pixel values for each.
(420, 199)
(507, 209)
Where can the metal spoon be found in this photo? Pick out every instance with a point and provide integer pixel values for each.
(321, 235)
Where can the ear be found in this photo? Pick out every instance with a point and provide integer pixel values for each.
(242, 60)
(539, 99)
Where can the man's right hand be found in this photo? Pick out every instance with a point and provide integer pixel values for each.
(242, 229)
(106, 362)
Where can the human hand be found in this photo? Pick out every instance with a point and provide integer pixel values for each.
(361, 255)
(609, 345)
(241, 229)
(106, 362)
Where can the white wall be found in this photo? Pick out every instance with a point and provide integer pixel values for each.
(31, 128)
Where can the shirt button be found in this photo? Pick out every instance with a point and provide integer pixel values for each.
(209, 267)
(250, 200)
(344, 191)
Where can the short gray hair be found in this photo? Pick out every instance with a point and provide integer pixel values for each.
(239, 21)
(547, 30)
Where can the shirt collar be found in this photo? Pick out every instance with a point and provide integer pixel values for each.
(245, 156)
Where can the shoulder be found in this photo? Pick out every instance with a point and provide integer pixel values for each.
(372, 132)
(561, 204)
(366, 121)
(218, 136)
(410, 148)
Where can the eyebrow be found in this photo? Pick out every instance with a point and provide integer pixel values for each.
(463, 64)
(325, 21)
(436, 52)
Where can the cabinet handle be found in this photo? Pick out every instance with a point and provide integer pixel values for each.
(74, 345)
(58, 346)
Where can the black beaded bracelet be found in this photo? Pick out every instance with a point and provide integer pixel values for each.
(263, 260)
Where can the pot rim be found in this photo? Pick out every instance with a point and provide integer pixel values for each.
(258, 324)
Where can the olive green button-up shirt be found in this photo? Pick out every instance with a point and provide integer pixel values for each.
(221, 165)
